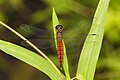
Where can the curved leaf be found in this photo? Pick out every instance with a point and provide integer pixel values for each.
(91, 49)
(30, 58)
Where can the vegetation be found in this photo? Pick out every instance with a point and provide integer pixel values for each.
(90, 52)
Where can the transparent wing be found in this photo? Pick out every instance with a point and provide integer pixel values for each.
(43, 39)
(75, 35)
(39, 37)
(40, 43)
(31, 30)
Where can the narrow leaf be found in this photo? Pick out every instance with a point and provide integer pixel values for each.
(91, 49)
(31, 44)
(65, 61)
(30, 58)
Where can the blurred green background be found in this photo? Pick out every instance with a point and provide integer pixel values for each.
(76, 17)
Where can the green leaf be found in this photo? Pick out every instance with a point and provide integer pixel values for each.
(91, 49)
(32, 45)
(65, 61)
(30, 58)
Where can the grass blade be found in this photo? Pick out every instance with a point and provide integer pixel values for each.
(90, 52)
(31, 44)
(30, 58)
(65, 61)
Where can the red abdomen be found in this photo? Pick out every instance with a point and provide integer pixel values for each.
(60, 52)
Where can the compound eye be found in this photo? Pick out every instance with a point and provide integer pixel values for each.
(56, 27)
(59, 27)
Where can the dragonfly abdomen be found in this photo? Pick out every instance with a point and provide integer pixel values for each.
(60, 51)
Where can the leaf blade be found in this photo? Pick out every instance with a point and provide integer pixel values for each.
(30, 58)
(90, 52)
(65, 60)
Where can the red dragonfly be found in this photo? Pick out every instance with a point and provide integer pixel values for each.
(60, 49)
(43, 42)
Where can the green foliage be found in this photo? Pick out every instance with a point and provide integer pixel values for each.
(30, 58)
(90, 52)
(91, 49)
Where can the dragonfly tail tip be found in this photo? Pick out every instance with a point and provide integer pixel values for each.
(60, 66)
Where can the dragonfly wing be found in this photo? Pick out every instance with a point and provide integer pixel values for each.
(40, 38)
(78, 30)
(75, 35)
(40, 43)
(71, 37)
(31, 30)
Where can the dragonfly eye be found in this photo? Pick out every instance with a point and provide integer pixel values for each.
(59, 27)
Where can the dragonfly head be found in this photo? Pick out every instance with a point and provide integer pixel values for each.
(59, 28)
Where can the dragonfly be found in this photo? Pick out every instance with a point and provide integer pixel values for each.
(60, 49)
(44, 41)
